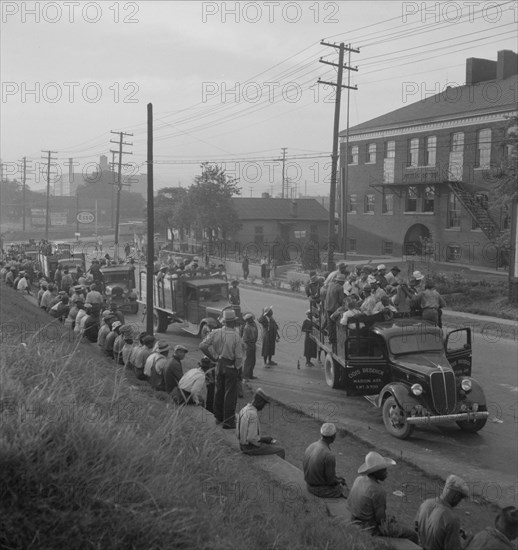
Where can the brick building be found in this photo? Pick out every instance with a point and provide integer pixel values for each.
(420, 177)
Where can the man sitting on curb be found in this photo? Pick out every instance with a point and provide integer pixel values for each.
(319, 467)
(173, 369)
(501, 536)
(248, 429)
(367, 500)
(154, 366)
(192, 388)
(437, 525)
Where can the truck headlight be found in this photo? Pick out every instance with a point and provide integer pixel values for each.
(417, 389)
(466, 385)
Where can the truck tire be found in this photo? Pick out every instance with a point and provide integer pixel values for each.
(133, 308)
(474, 426)
(394, 418)
(160, 321)
(332, 372)
(204, 330)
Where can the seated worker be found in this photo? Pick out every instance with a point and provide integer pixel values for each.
(148, 343)
(248, 429)
(154, 366)
(367, 500)
(173, 368)
(192, 387)
(501, 536)
(437, 524)
(319, 465)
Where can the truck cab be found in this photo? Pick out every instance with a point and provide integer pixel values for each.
(119, 286)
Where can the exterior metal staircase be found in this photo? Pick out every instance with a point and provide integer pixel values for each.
(480, 214)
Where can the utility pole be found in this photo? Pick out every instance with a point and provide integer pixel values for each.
(113, 191)
(334, 157)
(150, 277)
(283, 170)
(47, 216)
(119, 187)
(24, 179)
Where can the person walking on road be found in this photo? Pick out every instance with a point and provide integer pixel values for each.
(270, 335)
(250, 336)
(248, 429)
(245, 264)
(310, 346)
(223, 346)
(319, 465)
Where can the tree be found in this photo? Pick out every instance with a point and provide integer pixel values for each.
(172, 210)
(211, 197)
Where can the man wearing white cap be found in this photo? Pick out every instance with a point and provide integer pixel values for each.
(248, 429)
(381, 270)
(154, 366)
(437, 525)
(319, 465)
(368, 500)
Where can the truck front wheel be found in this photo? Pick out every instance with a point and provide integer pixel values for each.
(332, 372)
(395, 419)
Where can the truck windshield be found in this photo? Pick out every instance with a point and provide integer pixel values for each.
(416, 342)
(110, 278)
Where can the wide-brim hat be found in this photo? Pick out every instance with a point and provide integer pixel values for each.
(260, 393)
(395, 268)
(417, 275)
(228, 315)
(374, 462)
(77, 288)
(116, 324)
(267, 309)
(381, 266)
(371, 279)
(163, 347)
(509, 516)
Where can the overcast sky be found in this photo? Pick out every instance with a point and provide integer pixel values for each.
(230, 82)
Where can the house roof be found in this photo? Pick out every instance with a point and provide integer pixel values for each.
(454, 102)
(279, 209)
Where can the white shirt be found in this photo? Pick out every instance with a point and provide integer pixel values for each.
(247, 428)
(22, 284)
(156, 359)
(193, 381)
(81, 314)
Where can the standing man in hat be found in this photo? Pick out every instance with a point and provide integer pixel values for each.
(501, 536)
(223, 346)
(245, 264)
(392, 276)
(173, 369)
(430, 302)
(437, 525)
(192, 387)
(334, 299)
(250, 336)
(319, 465)
(310, 346)
(368, 500)
(380, 275)
(248, 429)
(233, 293)
(270, 335)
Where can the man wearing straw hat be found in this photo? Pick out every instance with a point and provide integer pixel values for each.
(368, 500)
(438, 526)
(502, 535)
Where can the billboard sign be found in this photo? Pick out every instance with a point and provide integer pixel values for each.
(85, 217)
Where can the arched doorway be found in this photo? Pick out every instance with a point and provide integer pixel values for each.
(417, 236)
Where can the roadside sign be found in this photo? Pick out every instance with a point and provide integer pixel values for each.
(85, 217)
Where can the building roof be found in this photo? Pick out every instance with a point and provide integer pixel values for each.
(279, 209)
(454, 102)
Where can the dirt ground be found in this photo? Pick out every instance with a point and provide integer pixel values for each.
(407, 486)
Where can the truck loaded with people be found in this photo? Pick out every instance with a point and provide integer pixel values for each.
(399, 359)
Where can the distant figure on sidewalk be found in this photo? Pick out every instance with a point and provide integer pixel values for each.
(270, 335)
(310, 346)
(245, 264)
(264, 263)
(250, 336)
(248, 429)
(319, 465)
(233, 293)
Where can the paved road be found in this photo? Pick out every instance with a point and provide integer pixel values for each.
(487, 458)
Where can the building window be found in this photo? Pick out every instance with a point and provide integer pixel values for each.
(387, 206)
(484, 148)
(429, 199)
(352, 245)
(387, 248)
(368, 205)
(431, 150)
(371, 153)
(453, 217)
(411, 199)
(353, 154)
(413, 152)
(483, 200)
(258, 237)
(457, 142)
(390, 149)
(352, 204)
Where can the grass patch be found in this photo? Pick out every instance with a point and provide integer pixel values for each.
(88, 462)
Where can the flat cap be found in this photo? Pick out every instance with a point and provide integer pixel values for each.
(328, 429)
(179, 347)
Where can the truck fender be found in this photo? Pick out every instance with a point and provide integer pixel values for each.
(401, 393)
(476, 394)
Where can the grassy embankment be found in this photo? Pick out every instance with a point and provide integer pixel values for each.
(87, 461)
